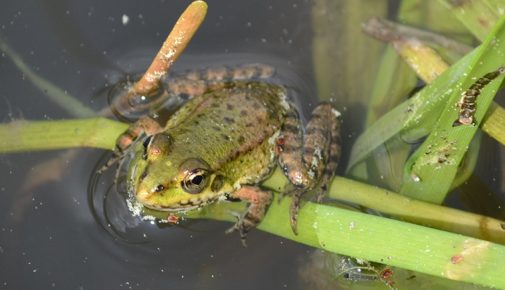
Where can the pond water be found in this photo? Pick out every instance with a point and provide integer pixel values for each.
(48, 235)
(51, 236)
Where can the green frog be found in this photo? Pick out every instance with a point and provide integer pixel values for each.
(225, 140)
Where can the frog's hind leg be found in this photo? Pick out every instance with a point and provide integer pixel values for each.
(258, 200)
(197, 82)
(335, 151)
(314, 161)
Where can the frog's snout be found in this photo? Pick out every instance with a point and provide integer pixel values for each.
(143, 194)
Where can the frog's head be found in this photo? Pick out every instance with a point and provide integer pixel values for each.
(163, 178)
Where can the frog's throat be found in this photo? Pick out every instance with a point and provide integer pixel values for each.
(185, 205)
(174, 209)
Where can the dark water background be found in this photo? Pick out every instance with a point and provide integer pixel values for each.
(48, 236)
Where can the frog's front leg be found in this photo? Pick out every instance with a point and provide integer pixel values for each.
(258, 200)
(145, 125)
(312, 164)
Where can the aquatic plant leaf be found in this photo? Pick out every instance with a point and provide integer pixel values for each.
(413, 118)
(431, 170)
(478, 16)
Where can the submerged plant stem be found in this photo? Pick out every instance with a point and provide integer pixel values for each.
(69, 103)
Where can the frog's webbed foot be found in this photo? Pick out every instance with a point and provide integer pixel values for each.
(145, 125)
(258, 200)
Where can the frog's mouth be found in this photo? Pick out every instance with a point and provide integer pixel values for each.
(174, 208)
(184, 205)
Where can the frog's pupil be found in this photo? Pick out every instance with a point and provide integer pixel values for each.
(197, 180)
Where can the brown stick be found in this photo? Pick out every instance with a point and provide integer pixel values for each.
(184, 29)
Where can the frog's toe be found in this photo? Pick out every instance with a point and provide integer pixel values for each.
(235, 227)
(243, 237)
(242, 226)
(231, 229)
(295, 207)
(242, 230)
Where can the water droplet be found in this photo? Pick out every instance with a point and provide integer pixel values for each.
(125, 19)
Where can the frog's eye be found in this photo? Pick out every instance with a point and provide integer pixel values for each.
(196, 175)
(195, 181)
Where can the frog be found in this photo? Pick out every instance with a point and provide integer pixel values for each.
(235, 128)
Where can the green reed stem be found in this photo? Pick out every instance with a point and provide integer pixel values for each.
(337, 230)
(382, 240)
(19, 136)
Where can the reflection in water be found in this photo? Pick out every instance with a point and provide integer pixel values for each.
(108, 206)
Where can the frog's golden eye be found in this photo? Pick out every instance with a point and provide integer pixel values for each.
(195, 181)
(196, 175)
